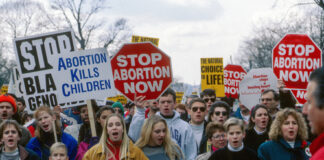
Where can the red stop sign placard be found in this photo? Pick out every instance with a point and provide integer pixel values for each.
(294, 58)
(141, 69)
(233, 74)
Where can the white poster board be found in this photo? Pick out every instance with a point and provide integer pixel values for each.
(83, 75)
(254, 83)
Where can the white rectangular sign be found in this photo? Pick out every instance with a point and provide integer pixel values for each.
(83, 75)
(35, 57)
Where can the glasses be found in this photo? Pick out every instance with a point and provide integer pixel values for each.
(217, 113)
(209, 99)
(195, 109)
(219, 136)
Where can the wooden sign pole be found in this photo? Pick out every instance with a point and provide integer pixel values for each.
(91, 118)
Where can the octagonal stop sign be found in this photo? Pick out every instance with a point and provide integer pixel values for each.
(294, 58)
(141, 69)
(233, 74)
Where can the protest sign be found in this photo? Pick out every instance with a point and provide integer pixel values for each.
(300, 95)
(87, 75)
(233, 74)
(35, 64)
(141, 69)
(179, 96)
(121, 98)
(254, 83)
(145, 39)
(294, 58)
(4, 89)
(212, 75)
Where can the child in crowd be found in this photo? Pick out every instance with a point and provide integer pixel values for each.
(58, 152)
(235, 148)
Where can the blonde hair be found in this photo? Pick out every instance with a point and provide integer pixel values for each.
(124, 148)
(275, 131)
(234, 122)
(58, 145)
(171, 148)
(39, 132)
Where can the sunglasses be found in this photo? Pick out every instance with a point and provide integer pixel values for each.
(224, 113)
(209, 99)
(195, 109)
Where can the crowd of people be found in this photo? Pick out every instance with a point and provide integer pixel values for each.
(205, 127)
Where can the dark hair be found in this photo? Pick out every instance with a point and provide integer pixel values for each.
(318, 76)
(207, 92)
(24, 117)
(6, 123)
(129, 104)
(197, 100)
(212, 127)
(104, 108)
(21, 100)
(171, 92)
(275, 94)
(190, 96)
(253, 112)
(218, 104)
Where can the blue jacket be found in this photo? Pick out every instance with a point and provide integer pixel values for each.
(281, 150)
(44, 153)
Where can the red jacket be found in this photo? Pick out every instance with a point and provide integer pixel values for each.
(317, 148)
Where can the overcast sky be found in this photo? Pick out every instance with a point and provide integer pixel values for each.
(192, 29)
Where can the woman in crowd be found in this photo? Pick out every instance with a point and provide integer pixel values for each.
(288, 134)
(10, 134)
(48, 131)
(259, 125)
(216, 135)
(235, 148)
(114, 143)
(87, 143)
(155, 140)
(218, 112)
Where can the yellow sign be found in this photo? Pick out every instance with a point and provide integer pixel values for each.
(122, 99)
(212, 75)
(145, 39)
(179, 96)
(194, 93)
(4, 89)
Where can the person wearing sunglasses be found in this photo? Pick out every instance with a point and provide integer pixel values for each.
(209, 96)
(197, 113)
(219, 112)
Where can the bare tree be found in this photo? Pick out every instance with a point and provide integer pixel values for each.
(83, 16)
(256, 50)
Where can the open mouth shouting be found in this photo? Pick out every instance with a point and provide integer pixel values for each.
(4, 115)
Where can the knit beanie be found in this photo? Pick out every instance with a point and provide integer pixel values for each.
(10, 99)
(119, 105)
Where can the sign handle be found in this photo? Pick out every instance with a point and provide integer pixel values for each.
(91, 118)
(54, 130)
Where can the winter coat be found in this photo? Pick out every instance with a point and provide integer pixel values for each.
(317, 148)
(97, 153)
(281, 150)
(25, 153)
(43, 152)
(180, 131)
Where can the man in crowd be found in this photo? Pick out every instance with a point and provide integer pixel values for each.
(198, 124)
(74, 130)
(8, 108)
(209, 96)
(315, 112)
(180, 130)
(270, 98)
